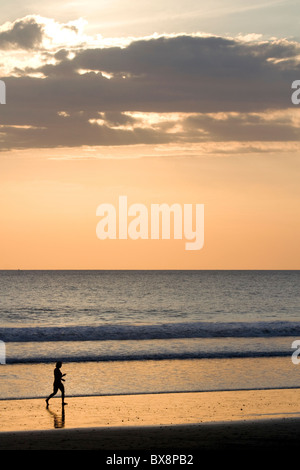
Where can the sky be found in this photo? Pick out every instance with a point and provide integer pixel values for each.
(164, 102)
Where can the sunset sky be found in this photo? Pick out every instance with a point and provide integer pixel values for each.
(165, 102)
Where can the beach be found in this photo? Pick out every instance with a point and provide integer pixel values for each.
(202, 421)
(170, 361)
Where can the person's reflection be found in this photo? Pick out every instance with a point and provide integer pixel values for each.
(59, 420)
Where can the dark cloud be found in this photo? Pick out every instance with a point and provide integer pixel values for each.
(182, 74)
(76, 131)
(241, 127)
(24, 34)
(187, 74)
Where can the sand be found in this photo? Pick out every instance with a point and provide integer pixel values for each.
(254, 419)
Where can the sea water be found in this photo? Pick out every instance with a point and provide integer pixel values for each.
(121, 332)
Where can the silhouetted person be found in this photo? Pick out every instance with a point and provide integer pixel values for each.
(58, 385)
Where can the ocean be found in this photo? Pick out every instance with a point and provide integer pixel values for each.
(131, 332)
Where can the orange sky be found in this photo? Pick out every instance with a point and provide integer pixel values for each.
(196, 111)
(48, 211)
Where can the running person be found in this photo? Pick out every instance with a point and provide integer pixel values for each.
(58, 385)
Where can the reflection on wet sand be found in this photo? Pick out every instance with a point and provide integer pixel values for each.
(58, 419)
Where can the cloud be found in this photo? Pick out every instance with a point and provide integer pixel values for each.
(106, 96)
(22, 34)
(245, 127)
(37, 32)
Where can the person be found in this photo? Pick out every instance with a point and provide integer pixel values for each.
(57, 384)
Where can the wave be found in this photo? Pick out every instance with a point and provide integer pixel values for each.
(152, 331)
(147, 357)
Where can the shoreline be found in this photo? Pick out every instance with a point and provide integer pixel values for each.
(261, 419)
(162, 392)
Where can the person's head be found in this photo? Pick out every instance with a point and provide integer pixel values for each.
(58, 364)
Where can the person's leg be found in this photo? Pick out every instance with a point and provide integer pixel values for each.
(55, 389)
(62, 389)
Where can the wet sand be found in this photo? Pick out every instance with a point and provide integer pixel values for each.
(256, 419)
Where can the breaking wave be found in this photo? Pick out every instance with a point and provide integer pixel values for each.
(151, 331)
